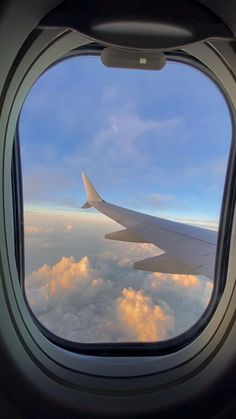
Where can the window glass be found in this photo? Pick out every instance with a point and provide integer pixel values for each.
(156, 142)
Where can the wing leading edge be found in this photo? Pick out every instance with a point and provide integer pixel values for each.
(187, 249)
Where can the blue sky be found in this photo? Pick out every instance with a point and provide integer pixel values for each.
(157, 142)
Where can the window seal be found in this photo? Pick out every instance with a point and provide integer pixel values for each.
(18, 207)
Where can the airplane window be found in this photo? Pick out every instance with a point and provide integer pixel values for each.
(152, 142)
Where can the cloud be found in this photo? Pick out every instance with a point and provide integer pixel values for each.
(187, 296)
(119, 140)
(142, 319)
(214, 167)
(31, 229)
(36, 230)
(61, 291)
(71, 299)
(178, 279)
(210, 224)
(53, 283)
(126, 128)
(132, 252)
(129, 138)
(98, 300)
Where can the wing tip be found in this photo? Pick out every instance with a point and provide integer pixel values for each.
(91, 192)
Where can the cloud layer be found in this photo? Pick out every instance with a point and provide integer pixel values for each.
(106, 301)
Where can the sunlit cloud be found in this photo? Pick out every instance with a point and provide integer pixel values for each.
(53, 284)
(61, 276)
(36, 231)
(144, 320)
(135, 317)
(207, 293)
(178, 279)
(32, 230)
(105, 302)
(69, 227)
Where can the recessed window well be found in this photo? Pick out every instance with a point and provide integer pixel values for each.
(153, 142)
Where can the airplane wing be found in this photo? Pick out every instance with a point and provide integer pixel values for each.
(187, 249)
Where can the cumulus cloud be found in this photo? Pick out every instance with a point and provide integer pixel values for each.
(72, 300)
(142, 319)
(99, 300)
(52, 284)
(186, 295)
(83, 297)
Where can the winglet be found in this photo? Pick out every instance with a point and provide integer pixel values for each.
(92, 194)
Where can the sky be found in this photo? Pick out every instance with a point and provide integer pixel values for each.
(153, 141)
